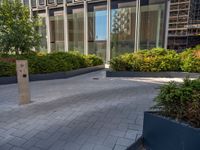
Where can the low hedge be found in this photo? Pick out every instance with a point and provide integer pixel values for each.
(47, 63)
(190, 60)
(156, 60)
(180, 101)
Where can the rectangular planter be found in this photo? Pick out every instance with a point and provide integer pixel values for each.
(161, 133)
(151, 74)
(52, 76)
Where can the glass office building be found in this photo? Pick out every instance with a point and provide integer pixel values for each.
(105, 28)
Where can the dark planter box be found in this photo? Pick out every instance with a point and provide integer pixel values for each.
(161, 133)
(52, 76)
(110, 73)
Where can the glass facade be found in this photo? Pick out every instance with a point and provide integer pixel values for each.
(41, 2)
(42, 31)
(76, 29)
(97, 29)
(152, 18)
(123, 15)
(105, 28)
(33, 3)
(26, 2)
(57, 32)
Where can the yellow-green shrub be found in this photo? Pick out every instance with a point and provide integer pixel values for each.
(190, 60)
(154, 60)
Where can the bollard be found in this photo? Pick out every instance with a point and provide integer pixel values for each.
(23, 81)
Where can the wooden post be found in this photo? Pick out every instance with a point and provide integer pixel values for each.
(23, 81)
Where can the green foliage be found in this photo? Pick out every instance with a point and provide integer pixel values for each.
(180, 101)
(154, 60)
(190, 60)
(93, 60)
(17, 31)
(48, 63)
(7, 69)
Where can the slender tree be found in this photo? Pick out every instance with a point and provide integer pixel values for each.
(18, 32)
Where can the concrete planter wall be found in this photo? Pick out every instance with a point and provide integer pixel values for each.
(161, 133)
(52, 76)
(151, 74)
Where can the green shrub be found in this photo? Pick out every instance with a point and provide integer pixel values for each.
(180, 101)
(93, 60)
(190, 60)
(7, 69)
(122, 63)
(48, 63)
(154, 60)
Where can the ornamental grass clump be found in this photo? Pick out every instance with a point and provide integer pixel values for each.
(180, 101)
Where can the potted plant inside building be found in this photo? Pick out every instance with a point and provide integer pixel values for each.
(175, 125)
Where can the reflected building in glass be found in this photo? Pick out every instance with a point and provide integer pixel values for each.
(106, 28)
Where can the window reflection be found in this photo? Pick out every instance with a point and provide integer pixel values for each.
(42, 32)
(57, 33)
(76, 29)
(33, 3)
(122, 27)
(152, 25)
(97, 29)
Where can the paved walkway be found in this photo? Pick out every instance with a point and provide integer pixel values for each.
(87, 112)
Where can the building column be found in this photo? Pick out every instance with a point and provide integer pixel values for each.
(167, 23)
(158, 29)
(65, 27)
(48, 31)
(137, 27)
(85, 28)
(108, 48)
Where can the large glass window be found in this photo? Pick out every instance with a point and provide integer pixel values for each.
(76, 28)
(152, 18)
(25, 2)
(42, 31)
(51, 1)
(97, 29)
(41, 2)
(123, 14)
(33, 3)
(57, 32)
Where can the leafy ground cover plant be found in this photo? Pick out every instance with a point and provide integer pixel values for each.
(180, 101)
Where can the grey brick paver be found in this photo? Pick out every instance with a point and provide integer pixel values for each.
(119, 147)
(17, 148)
(72, 146)
(131, 134)
(87, 146)
(16, 141)
(124, 142)
(119, 133)
(110, 141)
(5, 147)
(77, 113)
(101, 147)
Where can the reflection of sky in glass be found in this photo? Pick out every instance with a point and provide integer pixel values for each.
(101, 24)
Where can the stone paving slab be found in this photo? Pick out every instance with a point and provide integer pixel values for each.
(87, 112)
